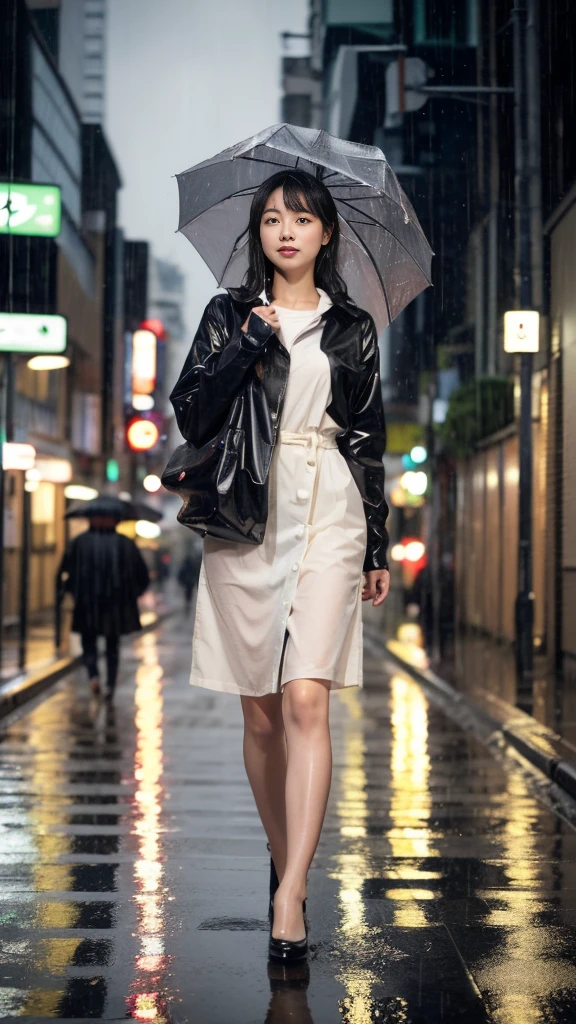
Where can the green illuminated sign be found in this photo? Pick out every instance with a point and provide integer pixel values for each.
(30, 210)
(30, 332)
(112, 471)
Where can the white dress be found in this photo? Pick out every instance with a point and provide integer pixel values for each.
(291, 607)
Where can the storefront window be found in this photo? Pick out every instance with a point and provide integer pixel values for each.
(445, 23)
(36, 384)
(43, 516)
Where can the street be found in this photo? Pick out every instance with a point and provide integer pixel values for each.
(134, 869)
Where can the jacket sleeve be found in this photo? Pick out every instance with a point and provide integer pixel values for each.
(215, 370)
(366, 443)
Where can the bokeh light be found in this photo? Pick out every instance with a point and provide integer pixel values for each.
(152, 483)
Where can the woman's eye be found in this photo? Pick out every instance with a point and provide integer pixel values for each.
(303, 220)
(271, 220)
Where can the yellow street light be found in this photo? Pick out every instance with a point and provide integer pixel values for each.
(48, 362)
(142, 403)
(80, 492)
(397, 553)
(152, 483)
(16, 455)
(149, 531)
(414, 551)
(414, 482)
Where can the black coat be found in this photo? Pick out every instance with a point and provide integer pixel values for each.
(222, 359)
(105, 574)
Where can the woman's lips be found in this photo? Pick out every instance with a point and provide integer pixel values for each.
(287, 251)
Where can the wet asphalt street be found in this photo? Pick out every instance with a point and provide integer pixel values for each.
(133, 869)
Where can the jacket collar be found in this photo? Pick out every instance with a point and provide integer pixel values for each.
(342, 311)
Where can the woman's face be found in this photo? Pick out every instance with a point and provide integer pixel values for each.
(291, 240)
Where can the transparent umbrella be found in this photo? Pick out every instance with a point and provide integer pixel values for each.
(384, 255)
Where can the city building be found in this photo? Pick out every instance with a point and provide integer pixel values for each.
(73, 416)
(94, 62)
(372, 57)
(432, 83)
(559, 472)
(302, 99)
(487, 474)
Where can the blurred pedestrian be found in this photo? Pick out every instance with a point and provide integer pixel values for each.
(106, 574)
(188, 574)
(419, 596)
(162, 565)
(279, 620)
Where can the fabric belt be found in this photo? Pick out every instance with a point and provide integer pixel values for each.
(310, 439)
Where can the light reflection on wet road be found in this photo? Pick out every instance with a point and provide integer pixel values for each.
(133, 871)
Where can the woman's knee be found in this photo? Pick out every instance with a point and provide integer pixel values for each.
(305, 704)
(262, 720)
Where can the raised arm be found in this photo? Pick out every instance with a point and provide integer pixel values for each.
(216, 368)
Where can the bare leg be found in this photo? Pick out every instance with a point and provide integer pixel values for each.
(305, 708)
(265, 761)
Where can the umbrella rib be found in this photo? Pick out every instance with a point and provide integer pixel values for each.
(378, 274)
(258, 160)
(370, 191)
(391, 233)
(374, 219)
(229, 260)
(349, 183)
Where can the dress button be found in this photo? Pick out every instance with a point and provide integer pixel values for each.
(300, 531)
(302, 494)
(295, 567)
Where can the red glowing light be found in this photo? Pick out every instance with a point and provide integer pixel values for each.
(156, 326)
(414, 553)
(141, 434)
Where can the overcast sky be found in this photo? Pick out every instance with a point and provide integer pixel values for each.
(185, 79)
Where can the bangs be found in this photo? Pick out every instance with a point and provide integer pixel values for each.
(299, 199)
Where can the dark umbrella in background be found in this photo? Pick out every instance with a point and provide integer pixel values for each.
(115, 508)
(384, 255)
(103, 505)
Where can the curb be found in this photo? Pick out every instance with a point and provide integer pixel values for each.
(23, 688)
(545, 749)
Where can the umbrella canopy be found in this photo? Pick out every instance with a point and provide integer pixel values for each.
(384, 255)
(115, 508)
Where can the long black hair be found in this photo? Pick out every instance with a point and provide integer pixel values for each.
(301, 191)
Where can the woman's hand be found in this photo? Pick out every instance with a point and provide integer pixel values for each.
(376, 586)
(267, 313)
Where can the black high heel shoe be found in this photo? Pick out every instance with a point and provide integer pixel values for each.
(284, 949)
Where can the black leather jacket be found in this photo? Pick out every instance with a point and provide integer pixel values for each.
(221, 358)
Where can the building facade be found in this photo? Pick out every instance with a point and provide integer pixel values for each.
(487, 479)
(371, 57)
(73, 416)
(431, 82)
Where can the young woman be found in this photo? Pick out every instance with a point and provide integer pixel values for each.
(279, 623)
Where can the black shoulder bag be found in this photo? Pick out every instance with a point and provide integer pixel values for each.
(223, 483)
